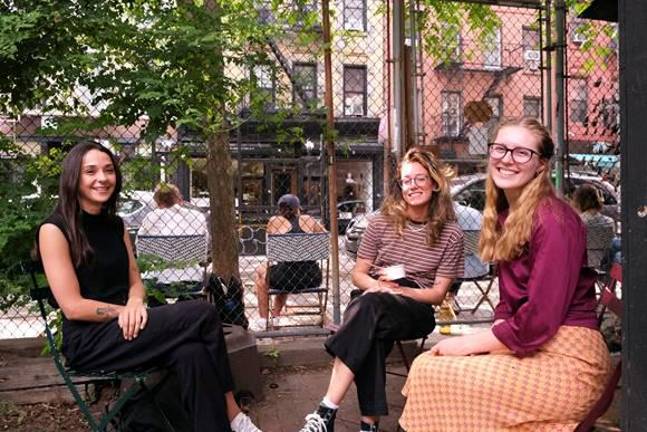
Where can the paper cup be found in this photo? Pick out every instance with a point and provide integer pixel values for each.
(394, 272)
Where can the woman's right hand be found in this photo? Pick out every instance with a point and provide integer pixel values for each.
(133, 318)
(382, 285)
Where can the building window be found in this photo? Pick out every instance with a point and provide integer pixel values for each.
(355, 15)
(354, 90)
(492, 51)
(305, 76)
(263, 78)
(578, 100)
(532, 107)
(451, 43)
(610, 112)
(496, 103)
(578, 32)
(452, 113)
(530, 43)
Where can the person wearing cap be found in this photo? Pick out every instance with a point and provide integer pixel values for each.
(285, 276)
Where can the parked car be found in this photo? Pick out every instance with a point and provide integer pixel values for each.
(133, 207)
(346, 211)
(470, 191)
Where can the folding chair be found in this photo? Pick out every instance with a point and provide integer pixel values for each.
(299, 247)
(185, 259)
(607, 301)
(72, 378)
(482, 278)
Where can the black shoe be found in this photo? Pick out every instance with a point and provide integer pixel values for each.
(322, 420)
(365, 427)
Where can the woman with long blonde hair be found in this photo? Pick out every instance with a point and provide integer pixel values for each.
(409, 255)
(546, 362)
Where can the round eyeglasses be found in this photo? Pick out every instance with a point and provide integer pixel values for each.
(419, 180)
(520, 155)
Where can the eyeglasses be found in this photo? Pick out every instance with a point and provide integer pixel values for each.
(520, 155)
(419, 180)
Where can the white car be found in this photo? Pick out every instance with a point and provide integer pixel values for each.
(133, 206)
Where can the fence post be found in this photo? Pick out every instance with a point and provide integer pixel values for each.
(560, 84)
(330, 158)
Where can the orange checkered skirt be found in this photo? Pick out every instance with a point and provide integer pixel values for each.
(551, 390)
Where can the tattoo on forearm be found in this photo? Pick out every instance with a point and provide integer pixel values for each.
(106, 311)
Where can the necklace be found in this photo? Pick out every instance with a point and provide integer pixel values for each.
(417, 227)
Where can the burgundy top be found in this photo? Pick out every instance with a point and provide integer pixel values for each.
(547, 286)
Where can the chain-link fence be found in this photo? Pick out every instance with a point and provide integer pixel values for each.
(462, 81)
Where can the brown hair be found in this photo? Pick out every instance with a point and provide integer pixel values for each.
(587, 197)
(167, 195)
(68, 206)
(504, 243)
(441, 208)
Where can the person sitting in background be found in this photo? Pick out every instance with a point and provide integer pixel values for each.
(599, 228)
(172, 218)
(285, 276)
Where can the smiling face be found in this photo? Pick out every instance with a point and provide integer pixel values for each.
(509, 175)
(417, 186)
(97, 181)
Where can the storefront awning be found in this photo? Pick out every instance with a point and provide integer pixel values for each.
(601, 161)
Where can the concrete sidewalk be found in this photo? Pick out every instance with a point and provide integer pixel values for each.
(293, 392)
(295, 376)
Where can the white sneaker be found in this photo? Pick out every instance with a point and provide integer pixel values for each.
(258, 324)
(242, 423)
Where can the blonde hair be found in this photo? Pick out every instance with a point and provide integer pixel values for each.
(505, 243)
(167, 195)
(441, 209)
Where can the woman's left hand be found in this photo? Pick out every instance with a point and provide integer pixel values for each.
(133, 318)
(453, 346)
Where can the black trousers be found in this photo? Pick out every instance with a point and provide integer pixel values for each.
(185, 337)
(372, 323)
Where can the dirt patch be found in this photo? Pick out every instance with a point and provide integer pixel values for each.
(41, 418)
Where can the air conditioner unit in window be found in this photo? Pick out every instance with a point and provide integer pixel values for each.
(531, 55)
(578, 37)
(354, 110)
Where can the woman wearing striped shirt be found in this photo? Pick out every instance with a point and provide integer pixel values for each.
(417, 228)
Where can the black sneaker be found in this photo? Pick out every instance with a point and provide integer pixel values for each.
(365, 427)
(322, 420)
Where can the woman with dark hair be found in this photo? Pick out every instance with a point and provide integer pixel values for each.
(285, 276)
(545, 362)
(600, 229)
(409, 256)
(90, 266)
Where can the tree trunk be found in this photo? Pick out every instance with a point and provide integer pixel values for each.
(224, 236)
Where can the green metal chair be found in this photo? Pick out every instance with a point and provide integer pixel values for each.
(108, 420)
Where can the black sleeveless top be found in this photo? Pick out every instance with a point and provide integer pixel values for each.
(105, 276)
(294, 222)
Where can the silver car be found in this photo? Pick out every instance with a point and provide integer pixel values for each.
(470, 191)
